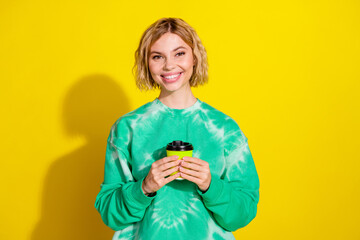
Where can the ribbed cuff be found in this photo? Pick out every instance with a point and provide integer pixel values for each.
(138, 195)
(215, 190)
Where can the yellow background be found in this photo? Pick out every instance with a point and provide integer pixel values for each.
(286, 71)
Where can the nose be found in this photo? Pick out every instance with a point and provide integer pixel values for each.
(169, 64)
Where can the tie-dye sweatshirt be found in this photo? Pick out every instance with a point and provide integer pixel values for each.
(179, 210)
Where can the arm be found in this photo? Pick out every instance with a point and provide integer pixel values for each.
(233, 200)
(121, 201)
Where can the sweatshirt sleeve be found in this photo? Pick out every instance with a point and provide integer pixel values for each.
(233, 197)
(121, 201)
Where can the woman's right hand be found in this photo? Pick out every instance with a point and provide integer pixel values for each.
(158, 171)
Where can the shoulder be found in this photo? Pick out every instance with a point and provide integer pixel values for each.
(216, 115)
(233, 135)
(134, 114)
(126, 122)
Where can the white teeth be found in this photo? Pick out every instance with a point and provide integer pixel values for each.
(172, 76)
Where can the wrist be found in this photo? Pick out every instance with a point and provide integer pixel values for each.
(204, 190)
(144, 189)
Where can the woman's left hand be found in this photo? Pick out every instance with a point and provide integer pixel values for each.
(197, 171)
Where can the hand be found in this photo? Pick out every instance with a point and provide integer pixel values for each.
(158, 171)
(196, 171)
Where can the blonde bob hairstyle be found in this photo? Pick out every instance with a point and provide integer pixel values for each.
(143, 78)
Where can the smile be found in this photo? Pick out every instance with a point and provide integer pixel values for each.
(171, 78)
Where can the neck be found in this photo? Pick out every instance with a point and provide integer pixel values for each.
(178, 99)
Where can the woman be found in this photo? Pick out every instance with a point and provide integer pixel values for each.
(141, 197)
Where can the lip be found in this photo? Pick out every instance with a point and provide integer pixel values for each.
(169, 74)
(171, 80)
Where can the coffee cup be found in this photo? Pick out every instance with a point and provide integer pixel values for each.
(181, 149)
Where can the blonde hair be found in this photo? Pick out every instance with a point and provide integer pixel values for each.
(143, 78)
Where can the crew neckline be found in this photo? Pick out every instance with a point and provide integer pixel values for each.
(182, 111)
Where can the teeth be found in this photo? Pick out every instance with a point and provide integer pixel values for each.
(172, 76)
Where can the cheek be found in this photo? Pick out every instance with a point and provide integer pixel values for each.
(153, 68)
(188, 62)
(154, 71)
(188, 66)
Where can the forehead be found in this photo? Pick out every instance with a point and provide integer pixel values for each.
(168, 42)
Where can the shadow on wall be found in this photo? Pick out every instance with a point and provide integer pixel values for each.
(73, 181)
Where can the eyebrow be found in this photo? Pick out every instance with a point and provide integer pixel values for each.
(172, 50)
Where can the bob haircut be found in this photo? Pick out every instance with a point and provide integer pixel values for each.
(143, 78)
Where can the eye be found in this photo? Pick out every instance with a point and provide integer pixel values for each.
(180, 53)
(155, 57)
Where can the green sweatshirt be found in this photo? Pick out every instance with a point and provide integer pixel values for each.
(179, 210)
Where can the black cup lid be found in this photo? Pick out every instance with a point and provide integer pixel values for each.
(179, 146)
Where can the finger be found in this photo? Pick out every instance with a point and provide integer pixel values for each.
(192, 166)
(191, 172)
(190, 178)
(165, 160)
(168, 172)
(168, 165)
(171, 178)
(159, 174)
(195, 161)
(170, 158)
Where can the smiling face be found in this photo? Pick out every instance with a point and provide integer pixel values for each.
(171, 62)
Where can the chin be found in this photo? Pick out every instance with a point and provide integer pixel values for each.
(176, 86)
(171, 89)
